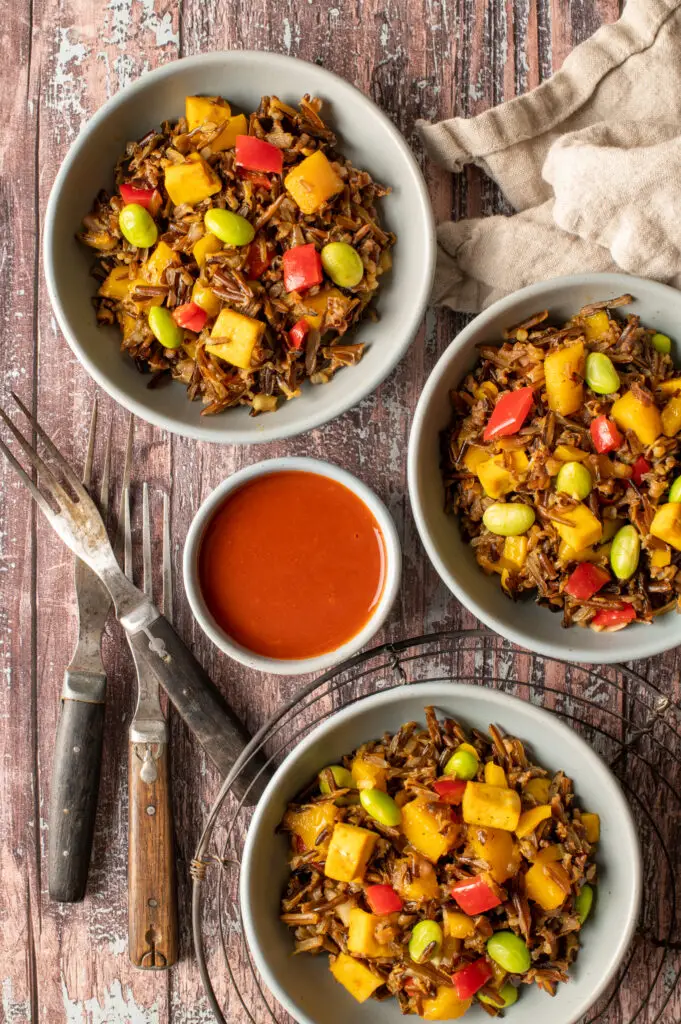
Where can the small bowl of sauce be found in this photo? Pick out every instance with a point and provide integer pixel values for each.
(291, 565)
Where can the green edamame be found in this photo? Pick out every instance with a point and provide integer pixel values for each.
(675, 491)
(341, 776)
(230, 228)
(508, 520)
(343, 264)
(508, 993)
(462, 765)
(164, 328)
(584, 903)
(625, 552)
(425, 941)
(574, 479)
(510, 952)
(662, 343)
(381, 807)
(600, 373)
(137, 226)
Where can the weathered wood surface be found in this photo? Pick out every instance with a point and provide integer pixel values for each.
(61, 61)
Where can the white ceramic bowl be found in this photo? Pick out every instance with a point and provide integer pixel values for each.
(303, 984)
(523, 622)
(366, 136)
(392, 569)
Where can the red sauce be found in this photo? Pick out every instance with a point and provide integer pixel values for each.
(292, 565)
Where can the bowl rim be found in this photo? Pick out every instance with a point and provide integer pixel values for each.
(205, 513)
(643, 642)
(328, 410)
(628, 836)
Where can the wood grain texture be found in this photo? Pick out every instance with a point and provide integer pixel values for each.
(416, 58)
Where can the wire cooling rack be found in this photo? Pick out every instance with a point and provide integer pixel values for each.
(626, 718)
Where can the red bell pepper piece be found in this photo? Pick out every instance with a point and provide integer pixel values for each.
(383, 899)
(141, 196)
(298, 334)
(256, 263)
(450, 791)
(640, 467)
(190, 316)
(606, 437)
(614, 618)
(586, 580)
(257, 155)
(509, 413)
(471, 978)
(302, 268)
(475, 896)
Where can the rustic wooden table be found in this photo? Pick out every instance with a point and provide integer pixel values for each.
(62, 60)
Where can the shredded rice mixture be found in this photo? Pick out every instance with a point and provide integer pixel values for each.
(317, 909)
(277, 370)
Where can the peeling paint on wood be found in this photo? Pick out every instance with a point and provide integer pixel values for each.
(64, 58)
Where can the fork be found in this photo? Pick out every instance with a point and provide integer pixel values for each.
(152, 895)
(158, 650)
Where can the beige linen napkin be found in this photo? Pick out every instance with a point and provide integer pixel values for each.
(591, 160)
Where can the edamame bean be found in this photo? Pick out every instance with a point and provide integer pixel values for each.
(584, 903)
(137, 226)
(164, 328)
(661, 343)
(574, 479)
(510, 952)
(425, 941)
(508, 520)
(508, 992)
(600, 373)
(343, 264)
(230, 228)
(462, 765)
(341, 776)
(675, 491)
(625, 552)
(380, 806)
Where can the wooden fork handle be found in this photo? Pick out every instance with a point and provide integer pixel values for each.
(152, 890)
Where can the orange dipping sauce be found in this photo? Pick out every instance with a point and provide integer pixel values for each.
(292, 565)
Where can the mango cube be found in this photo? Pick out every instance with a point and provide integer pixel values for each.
(368, 775)
(496, 479)
(199, 109)
(515, 553)
(242, 334)
(547, 884)
(498, 848)
(666, 524)
(660, 555)
(116, 285)
(205, 246)
(445, 1005)
(422, 829)
(584, 528)
(313, 182)
(596, 325)
(155, 267)
(355, 976)
(318, 304)
(423, 886)
(205, 297)
(349, 852)
(458, 925)
(529, 820)
(670, 387)
(310, 822)
(539, 789)
(474, 457)
(671, 417)
(630, 413)
(592, 824)
(569, 453)
(491, 806)
(564, 372)
(362, 935)
(192, 181)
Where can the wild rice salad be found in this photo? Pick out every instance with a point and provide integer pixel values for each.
(561, 463)
(238, 252)
(442, 869)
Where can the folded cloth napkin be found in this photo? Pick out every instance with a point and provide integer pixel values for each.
(591, 160)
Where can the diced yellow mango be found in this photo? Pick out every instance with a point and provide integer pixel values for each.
(206, 298)
(539, 789)
(568, 554)
(666, 524)
(568, 453)
(469, 748)
(630, 413)
(368, 775)
(596, 325)
(660, 557)
(199, 109)
(496, 479)
(529, 820)
(445, 1005)
(515, 553)
(349, 852)
(227, 138)
(265, 403)
(421, 886)
(313, 182)
(205, 246)
(564, 372)
(422, 829)
(127, 324)
(486, 390)
(310, 822)
(240, 333)
(319, 303)
(192, 181)
(670, 387)
(549, 855)
(155, 267)
(355, 976)
(542, 887)
(592, 824)
(362, 935)
(498, 848)
(116, 285)
(458, 925)
(671, 417)
(495, 775)
(474, 457)
(584, 529)
(491, 806)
